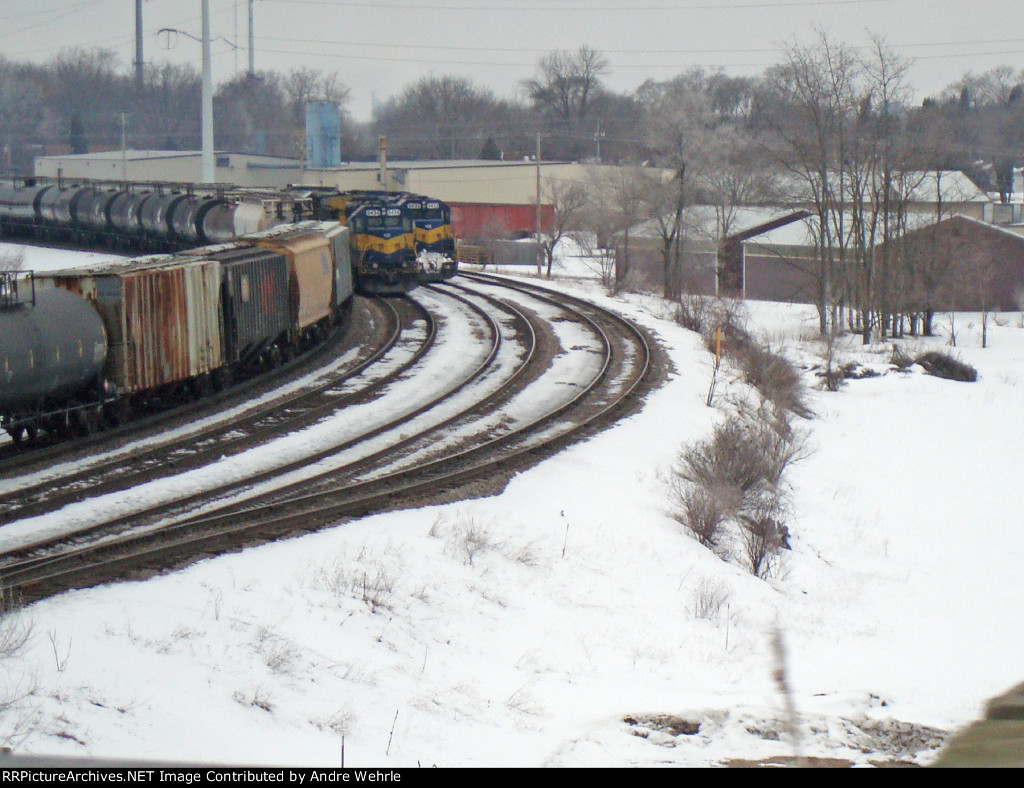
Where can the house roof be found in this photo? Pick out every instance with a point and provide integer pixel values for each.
(1015, 231)
(921, 186)
(950, 185)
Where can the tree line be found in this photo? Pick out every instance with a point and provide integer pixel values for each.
(830, 127)
(76, 98)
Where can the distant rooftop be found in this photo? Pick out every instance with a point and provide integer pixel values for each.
(139, 155)
(439, 164)
(923, 186)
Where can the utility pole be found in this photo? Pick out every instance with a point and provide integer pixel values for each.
(124, 153)
(252, 46)
(138, 44)
(208, 174)
(382, 158)
(540, 248)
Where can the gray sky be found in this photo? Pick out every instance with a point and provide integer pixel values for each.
(379, 47)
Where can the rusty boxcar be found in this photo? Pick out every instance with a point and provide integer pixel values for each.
(162, 318)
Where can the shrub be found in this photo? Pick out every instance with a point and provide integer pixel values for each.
(747, 454)
(943, 365)
(20, 719)
(773, 376)
(701, 510)
(737, 475)
(900, 359)
(834, 375)
(763, 534)
(705, 315)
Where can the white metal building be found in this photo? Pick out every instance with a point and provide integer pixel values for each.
(147, 166)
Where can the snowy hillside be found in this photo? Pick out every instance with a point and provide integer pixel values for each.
(570, 621)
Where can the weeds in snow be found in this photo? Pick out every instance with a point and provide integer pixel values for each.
(60, 660)
(15, 634)
(709, 598)
(468, 539)
(260, 699)
(279, 654)
(366, 578)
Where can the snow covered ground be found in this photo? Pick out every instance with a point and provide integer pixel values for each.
(39, 258)
(565, 622)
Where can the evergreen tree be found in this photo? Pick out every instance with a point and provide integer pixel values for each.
(490, 151)
(77, 140)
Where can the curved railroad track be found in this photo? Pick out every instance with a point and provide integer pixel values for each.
(547, 369)
(375, 323)
(227, 433)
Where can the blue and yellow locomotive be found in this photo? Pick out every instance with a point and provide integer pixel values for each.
(433, 238)
(398, 239)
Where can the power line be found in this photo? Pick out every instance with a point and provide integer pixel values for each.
(64, 14)
(588, 8)
(22, 14)
(741, 50)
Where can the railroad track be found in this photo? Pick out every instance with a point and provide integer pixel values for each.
(376, 322)
(185, 502)
(229, 433)
(553, 370)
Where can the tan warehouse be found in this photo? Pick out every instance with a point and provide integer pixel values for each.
(158, 166)
(491, 194)
(512, 182)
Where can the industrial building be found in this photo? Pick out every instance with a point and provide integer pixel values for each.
(160, 166)
(496, 198)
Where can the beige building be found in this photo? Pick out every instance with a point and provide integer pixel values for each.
(157, 166)
(470, 181)
(486, 197)
(466, 181)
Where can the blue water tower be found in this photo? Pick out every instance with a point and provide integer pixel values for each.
(323, 134)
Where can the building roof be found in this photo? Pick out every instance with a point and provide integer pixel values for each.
(950, 185)
(1015, 231)
(437, 164)
(147, 155)
(766, 226)
(921, 186)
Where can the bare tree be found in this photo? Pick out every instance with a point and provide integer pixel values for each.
(166, 113)
(304, 84)
(735, 177)
(567, 201)
(877, 285)
(20, 111)
(598, 257)
(679, 122)
(565, 84)
(616, 206)
(12, 261)
(250, 114)
(813, 103)
(440, 117)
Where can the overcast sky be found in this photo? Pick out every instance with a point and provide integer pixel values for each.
(379, 47)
